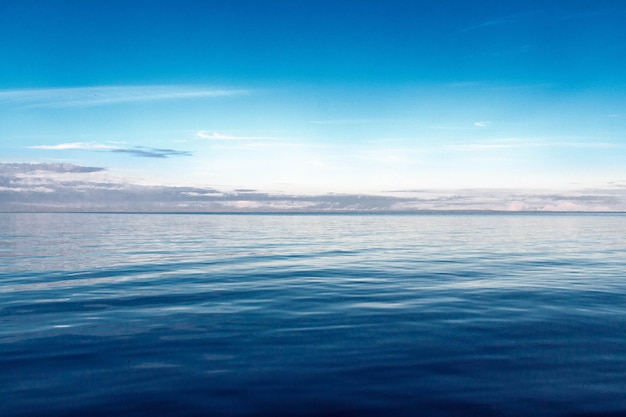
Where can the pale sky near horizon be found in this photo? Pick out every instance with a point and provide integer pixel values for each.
(320, 96)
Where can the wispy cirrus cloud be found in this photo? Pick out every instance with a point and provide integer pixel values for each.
(203, 134)
(137, 151)
(538, 16)
(494, 22)
(483, 123)
(145, 152)
(495, 144)
(362, 121)
(473, 126)
(509, 143)
(106, 95)
(87, 146)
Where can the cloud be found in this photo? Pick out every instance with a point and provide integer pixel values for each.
(138, 151)
(143, 152)
(31, 179)
(352, 121)
(617, 184)
(589, 14)
(22, 168)
(74, 146)
(496, 22)
(67, 187)
(452, 127)
(202, 134)
(482, 123)
(106, 95)
(509, 143)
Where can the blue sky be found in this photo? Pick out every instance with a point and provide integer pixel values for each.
(314, 97)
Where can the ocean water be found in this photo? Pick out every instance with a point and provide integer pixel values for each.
(312, 315)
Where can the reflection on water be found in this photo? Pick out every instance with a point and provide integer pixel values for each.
(242, 315)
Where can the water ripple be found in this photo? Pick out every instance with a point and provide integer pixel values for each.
(450, 315)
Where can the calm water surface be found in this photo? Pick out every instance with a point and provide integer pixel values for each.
(280, 315)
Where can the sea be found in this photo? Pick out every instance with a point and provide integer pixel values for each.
(425, 314)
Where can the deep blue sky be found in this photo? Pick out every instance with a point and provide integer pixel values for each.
(66, 43)
(317, 95)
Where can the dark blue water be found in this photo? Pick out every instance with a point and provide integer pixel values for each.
(306, 315)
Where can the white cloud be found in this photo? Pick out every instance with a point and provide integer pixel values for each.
(501, 21)
(510, 143)
(451, 127)
(62, 187)
(352, 121)
(202, 134)
(138, 151)
(97, 96)
(495, 144)
(482, 124)
(75, 146)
